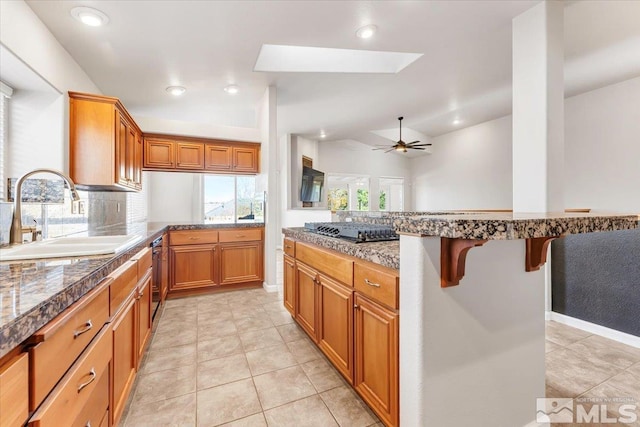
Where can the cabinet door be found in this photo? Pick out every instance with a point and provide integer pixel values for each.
(240, 263)
(137, 161)
(124, 361)
(143, 308)
(335, 324)
(159, 153)
(14, 391)
(289, 265)
(164, 278)
(376, 358)
(245, 159)
(217, 157)
(131, 155)
(306, 298)
(122, 130)
(192, 267)
(189, 155)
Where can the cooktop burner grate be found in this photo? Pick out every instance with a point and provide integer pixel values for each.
(353, 231)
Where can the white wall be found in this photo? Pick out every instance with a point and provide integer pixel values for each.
(202, 130)
(602, 148)
(468, 169)
(353, 157)
(471, 168)
(172, 196)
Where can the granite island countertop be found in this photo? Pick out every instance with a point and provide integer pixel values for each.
(383, 253)
(33, 292)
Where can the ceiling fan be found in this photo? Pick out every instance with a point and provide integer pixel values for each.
(402, 146)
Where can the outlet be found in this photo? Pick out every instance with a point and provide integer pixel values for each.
(81, 207)
(74, 207)
(118, 207)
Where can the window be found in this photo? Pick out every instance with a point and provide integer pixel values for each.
(391, 194)
(347, 192)
(231, 199)
(5, 94)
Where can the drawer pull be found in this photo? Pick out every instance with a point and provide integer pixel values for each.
(93, 377)
(194, 238)
(87, 327)
(88, 424)
(370, 283)
(240, 235)
(288, 246)
(356, 306)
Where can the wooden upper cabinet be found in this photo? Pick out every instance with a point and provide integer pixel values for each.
(159, 153)
(103, 144)
(246, 159)
(189, 155)
(176, 153)
(217, 157)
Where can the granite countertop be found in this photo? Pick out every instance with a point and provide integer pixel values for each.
(497, 225)
(33, 292)
(383, 253)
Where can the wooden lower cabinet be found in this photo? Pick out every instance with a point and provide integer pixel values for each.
(192, 266)
(124, 358)
(306, 305)
(289, 274)
(143, 314)
(241, 263)
(14, 391)
(335, 324)
(97, 405)
(376, 358)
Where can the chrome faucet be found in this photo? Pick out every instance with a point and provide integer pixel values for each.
(16, 223)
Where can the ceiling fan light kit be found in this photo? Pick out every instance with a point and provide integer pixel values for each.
(401, 146)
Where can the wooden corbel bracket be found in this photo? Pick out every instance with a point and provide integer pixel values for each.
(453, 253)
(537, 252)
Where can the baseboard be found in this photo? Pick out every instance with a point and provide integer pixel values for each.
(603, 331)
(269, 288)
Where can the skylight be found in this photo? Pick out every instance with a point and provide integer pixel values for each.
(305, 59)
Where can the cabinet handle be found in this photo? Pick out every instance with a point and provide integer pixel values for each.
(287, 246)
(194, 238)
(88, 424)
(93, 377)
(370, 283)
(87, 327)
(356, 306)
(239, 235)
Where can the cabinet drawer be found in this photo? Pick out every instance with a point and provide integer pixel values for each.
(289, 247)
(377, 282)
(338, 266)
(14, 391)
(144, 259)
(70, 397)
(240, 235)
(93, 412)
(60, 342)
(193, 237)
(125, 279)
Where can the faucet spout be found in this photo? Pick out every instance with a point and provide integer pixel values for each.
(16, 223)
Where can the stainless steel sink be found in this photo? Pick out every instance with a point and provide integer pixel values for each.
(69, 247)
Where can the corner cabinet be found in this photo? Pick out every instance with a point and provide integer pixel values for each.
(349, 308)
(181, 153)
(105, 144)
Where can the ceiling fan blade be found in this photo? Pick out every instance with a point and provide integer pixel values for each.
(390, 149)
(420, 145)
(412, 142)
(416, 148)
(381, 148)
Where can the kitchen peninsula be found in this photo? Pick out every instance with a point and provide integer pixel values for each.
(472, 308)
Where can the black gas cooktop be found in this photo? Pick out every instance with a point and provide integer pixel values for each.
(356, 232)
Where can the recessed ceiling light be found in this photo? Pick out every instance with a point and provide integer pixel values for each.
(232, 89)
(307, 59)
(323, 135)
(456, 121)
(176, 90)
(89, 16)
(367, 31)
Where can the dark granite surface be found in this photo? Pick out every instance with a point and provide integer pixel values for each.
(496, 225)
(33, 292)
(383, 253)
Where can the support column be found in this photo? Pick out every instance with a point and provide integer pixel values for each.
(538, 109)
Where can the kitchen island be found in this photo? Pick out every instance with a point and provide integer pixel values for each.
(472, 303)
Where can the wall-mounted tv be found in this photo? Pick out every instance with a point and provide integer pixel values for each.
(312, 181)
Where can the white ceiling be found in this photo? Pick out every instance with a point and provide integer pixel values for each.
(465, 71)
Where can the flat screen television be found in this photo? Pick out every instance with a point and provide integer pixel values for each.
(312, 181)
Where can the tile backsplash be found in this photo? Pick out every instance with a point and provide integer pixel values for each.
(96, 211)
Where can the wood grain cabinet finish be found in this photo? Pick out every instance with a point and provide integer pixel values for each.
(335, 324)
(376, 358)
(105, 144)
(189, 155)
(241, 262)
(54, 347)
(159, 153)
(69, 398)
(143, 314)
(306, 292)
(289, 285)
(192, 266)
(245, 159)
(218, 157)
(97, 405)
(14, 391)
(124, 358)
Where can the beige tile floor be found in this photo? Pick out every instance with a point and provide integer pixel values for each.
(237, 359)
